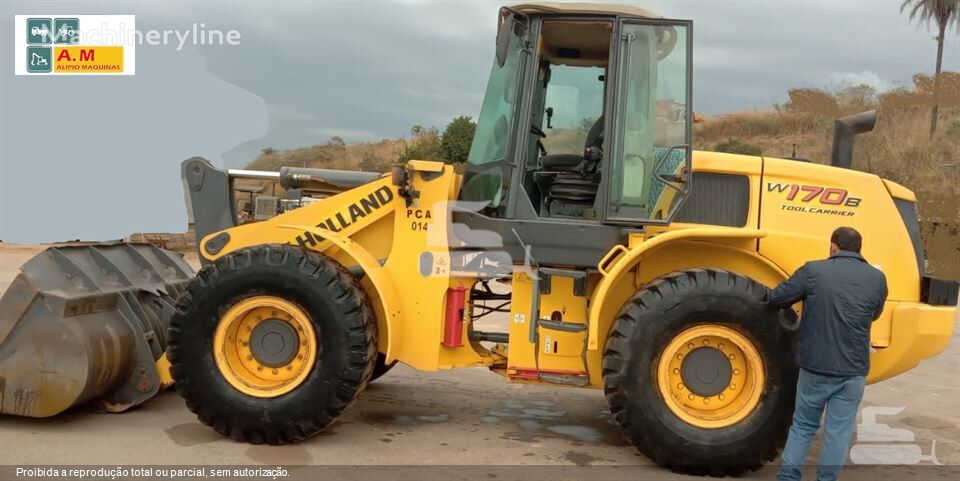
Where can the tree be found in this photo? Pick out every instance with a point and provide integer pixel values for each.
(948, 88)
(858, 98)
(942, 13)
(812, 101)
(457, 138)
(424, 146)
(371, 163)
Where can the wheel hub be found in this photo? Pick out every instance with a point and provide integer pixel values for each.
(274, 343)
(711, 376)
(265, 346)
(706, 371)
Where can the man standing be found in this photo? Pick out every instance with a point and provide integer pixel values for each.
(842, 296)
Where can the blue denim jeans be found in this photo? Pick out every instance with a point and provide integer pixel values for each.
(841, 397)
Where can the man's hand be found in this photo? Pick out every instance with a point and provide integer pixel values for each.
(790, 291)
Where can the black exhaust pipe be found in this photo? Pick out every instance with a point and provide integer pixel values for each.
(844, 129)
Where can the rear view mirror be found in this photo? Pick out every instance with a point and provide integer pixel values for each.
(503, 35)
(666, 40)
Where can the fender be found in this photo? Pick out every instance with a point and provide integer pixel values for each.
(621, 260)
(386, 293)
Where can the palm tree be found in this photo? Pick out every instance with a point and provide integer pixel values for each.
(942, 13)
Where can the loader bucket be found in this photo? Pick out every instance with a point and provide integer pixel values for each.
(87, 323)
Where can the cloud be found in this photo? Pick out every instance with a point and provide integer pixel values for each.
(840, 80)
(287, 112)
(349, 135)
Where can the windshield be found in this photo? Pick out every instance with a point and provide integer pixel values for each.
(484, 177)
(496, 114)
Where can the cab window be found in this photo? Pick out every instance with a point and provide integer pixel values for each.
(650, 148)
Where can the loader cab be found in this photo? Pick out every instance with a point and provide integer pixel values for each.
(585, 120)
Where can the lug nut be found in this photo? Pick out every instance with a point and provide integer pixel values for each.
(691, 397)
(274, 371)
(732, 356)
(736, 372)
(733, 387)
(676, 371)
(720, 397)
(680, 386)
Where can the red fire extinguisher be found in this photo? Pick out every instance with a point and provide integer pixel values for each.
(453, 324)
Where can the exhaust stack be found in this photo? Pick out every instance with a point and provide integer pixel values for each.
(844, 130)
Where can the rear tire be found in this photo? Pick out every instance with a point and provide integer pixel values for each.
(656, 417)
(343, 341)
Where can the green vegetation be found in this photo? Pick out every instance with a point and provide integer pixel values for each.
(425, 145)
(953, 130)
(457, 137)
(734, 146)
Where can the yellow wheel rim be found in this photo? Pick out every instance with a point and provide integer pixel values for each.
(699, 387)
(265, 346)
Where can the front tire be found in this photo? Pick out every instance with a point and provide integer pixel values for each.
(270, 344)
(700, 375)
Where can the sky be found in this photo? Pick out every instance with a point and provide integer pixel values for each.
(364, 70)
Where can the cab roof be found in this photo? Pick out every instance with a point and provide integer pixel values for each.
(581, 8)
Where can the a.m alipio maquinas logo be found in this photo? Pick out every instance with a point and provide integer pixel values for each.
(75, 44)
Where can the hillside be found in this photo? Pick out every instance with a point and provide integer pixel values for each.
(334, 154)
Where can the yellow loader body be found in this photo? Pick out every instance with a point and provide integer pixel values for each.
(387, 236)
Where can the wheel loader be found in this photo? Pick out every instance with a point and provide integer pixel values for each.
(616, 256)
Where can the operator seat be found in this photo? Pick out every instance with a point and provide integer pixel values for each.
(571, 162)
(568, 182)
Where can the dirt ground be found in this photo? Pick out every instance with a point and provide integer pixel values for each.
(466, 417)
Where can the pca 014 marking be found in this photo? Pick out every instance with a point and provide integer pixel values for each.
(420, 219)
(815, 194)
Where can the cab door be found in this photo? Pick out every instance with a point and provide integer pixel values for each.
(648, 166)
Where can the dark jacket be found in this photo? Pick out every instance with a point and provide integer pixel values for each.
(842, 296)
